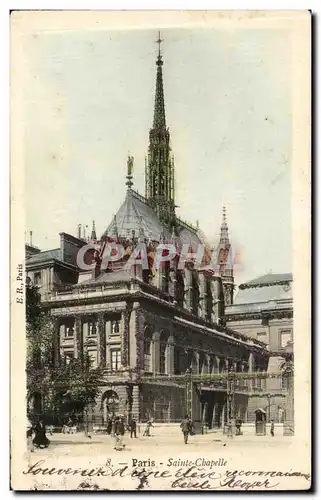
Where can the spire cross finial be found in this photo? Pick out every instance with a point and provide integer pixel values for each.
(159, 41)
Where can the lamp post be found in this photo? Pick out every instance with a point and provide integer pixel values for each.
(189, 392)
(230, 401)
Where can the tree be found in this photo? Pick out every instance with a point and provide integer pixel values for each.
(60, 388)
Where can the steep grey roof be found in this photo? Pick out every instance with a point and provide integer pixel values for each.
(268, 279)
(187, 235)
(44, 256)
(134, 215)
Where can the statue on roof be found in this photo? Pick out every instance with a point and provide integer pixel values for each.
(130, 165)
(130, 168)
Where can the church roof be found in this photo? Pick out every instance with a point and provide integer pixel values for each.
(133, 216)
(136, 215)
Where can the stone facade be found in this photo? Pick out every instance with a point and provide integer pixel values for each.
(263, 310)
(146, 345)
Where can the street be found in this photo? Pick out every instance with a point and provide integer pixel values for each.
(159, 442)
(74, 461)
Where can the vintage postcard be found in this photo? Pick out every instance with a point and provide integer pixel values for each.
(160, 250)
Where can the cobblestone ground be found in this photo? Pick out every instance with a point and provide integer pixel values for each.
(159, 442)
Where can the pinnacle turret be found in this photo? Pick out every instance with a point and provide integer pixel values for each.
(224, 237)
(93, 232)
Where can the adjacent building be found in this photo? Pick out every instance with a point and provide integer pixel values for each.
(263, 310)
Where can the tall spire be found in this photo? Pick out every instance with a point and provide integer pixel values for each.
(159, 169)
(159, 107)
(224, 237)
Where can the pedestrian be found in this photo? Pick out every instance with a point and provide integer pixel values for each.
(119, 433)
(113, 424)
(272, 428)
(133, 427)
(30, 431)
(238, 425)
(69, 425)
(186, 426)
(109, 425)
(147, 430)
(40, 440)
(229, 429)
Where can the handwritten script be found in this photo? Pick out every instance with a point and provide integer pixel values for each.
(197, 478)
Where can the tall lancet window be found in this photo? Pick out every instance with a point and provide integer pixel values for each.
(163, 351)
(148, 349)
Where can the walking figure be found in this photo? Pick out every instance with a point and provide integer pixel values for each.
(272, 428)
(133, 427)
(109, 426)
(147, 430)
(67, 427)
(238, 425)
(119, 433)
(186, 426)
(40, 440)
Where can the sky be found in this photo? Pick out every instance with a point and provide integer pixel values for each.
(89, 98)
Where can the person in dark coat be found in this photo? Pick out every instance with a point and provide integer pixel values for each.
(109, 425)
(40, 440)
(238, 425)
(133, 427)
(148, 426)
(272, 428)
(186, 427)
(119, 433)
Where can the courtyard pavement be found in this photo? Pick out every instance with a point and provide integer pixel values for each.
(100, 444)
(164, 451)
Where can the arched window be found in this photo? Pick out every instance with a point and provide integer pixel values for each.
(222, 365)
(163, 350)
(110, 404)
(287, 374)
(203, 365)
(177, 361)
(147, 349)
(194, 362)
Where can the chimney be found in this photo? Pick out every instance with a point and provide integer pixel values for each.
(79, 231)
(31, 238)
